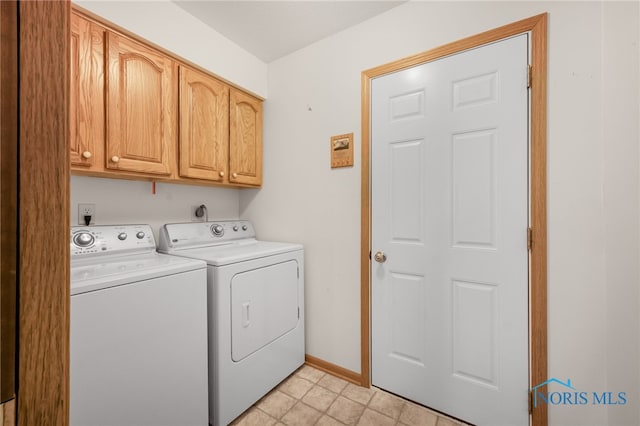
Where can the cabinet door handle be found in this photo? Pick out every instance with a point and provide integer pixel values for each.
(235, 175)
(221, 174)
(86, 155)
(115, 159)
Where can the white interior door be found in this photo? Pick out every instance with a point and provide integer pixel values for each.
(450, 213)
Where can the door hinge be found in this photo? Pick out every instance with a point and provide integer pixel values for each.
(298, 271)
(529, 238)
(529, 75)
(530, 402)
(298, 312)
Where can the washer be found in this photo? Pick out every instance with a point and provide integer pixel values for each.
(138, 331)
(256, 309)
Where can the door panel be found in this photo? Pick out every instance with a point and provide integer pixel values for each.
(474, 331)
(204, 126)
(140, 108)
(407, 215)
(473, 180)
(450, 212)
(245, 139)
(408, 318)
(264, 307)
(86, 106)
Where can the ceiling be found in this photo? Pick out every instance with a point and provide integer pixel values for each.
(272, 29)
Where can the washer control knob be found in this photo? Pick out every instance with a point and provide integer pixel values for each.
(122, 236)
(244, 227)
(83, 239)
(217, 230)
(235, 228)
(140, 235)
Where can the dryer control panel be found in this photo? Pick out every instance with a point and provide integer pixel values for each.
(111, 239)
(183, 235)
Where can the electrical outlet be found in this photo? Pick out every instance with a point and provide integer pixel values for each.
(86, 209)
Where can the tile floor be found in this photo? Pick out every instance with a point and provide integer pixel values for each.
(312, 397)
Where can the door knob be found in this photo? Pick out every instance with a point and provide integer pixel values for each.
(115, 159)
(380, 257)
(86, 155)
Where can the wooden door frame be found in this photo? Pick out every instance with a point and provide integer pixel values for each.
(43, 231)
(537, 27)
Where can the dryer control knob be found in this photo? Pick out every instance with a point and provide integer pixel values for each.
(122, 236)
(244, 227)
(235, 228)
(140, 235)
(217, 230)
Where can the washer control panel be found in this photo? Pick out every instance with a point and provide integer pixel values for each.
(176, 235)
(110, 239)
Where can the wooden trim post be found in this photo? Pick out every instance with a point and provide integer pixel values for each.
(44, 293)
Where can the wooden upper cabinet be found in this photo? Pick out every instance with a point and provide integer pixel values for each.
(204, 126)
(86, 104)
(141, 97)
(245, 139)
(141, 113)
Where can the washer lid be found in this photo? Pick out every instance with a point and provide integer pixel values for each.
(111, 271)
(236, 251)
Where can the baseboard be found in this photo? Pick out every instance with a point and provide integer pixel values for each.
(335, 370)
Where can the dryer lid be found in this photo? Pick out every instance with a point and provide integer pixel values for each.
(236, 251)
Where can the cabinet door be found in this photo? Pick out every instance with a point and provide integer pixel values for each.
(204, 126)
(140, 108)
(245, 140)
(86, 104)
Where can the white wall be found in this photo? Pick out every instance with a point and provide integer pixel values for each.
(130, 202)
(167, 25)
(593, 182)
(621, 77)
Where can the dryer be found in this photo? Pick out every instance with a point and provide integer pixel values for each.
(256, 309)
(138, 331)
